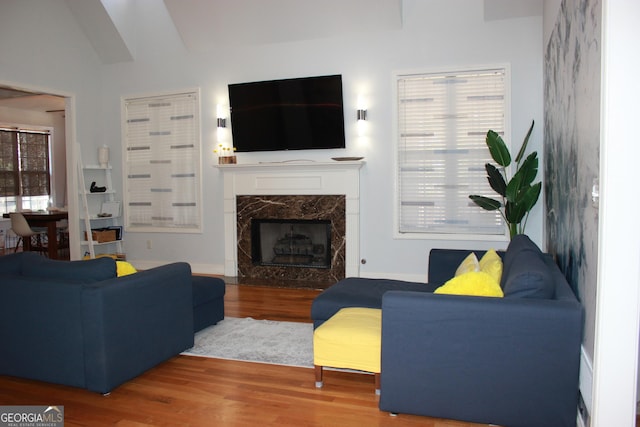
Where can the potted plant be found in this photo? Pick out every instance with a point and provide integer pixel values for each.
(519, 194)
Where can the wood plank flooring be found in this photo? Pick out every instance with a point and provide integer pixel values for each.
(194, 391)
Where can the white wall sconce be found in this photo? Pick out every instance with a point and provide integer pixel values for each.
(222, 112)
(362, 125)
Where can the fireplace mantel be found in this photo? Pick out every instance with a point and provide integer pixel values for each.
(290, 166)
(293, 178)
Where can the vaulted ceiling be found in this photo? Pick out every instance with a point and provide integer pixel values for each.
(205, 24)
(110, 26)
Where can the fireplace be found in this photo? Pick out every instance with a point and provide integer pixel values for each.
(300, 190)
(292, 237)
(291, 243)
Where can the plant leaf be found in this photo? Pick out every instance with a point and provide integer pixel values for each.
(513, 188)
(528, 170)
(525, 143)
(530, 197)
(485, 202)
(496, 179)
(523, 202)
(498, 149)
(514, 212)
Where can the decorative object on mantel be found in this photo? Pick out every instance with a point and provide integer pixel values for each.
(227, 160)
(225, 155)
(519, 196)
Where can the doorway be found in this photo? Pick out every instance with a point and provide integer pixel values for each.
(32, 110)
(29, 110)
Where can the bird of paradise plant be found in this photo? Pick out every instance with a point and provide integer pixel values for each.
(519, 193)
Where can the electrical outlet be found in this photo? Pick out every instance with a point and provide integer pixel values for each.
(149, 244)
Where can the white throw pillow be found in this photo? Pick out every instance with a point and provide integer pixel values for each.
(470, 263)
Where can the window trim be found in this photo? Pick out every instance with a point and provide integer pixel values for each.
(396, 75)
(40, 129)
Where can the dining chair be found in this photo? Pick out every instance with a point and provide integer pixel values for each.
(21, 228)
(63, 239)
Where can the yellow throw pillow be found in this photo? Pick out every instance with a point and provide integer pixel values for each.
(474, 283)
(470, 263)
(491, 263)
(124, 268)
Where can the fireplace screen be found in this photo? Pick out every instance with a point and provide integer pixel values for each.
(291, 242)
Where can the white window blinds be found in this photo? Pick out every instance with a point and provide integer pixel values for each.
(443, 119)
(162, 160)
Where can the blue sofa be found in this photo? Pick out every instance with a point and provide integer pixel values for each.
(76, 323)
(511, 361)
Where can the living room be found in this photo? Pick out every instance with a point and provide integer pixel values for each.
(147, 50)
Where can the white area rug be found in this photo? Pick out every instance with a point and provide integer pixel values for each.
(263, 341)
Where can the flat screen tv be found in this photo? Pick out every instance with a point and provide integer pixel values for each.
(291, 114)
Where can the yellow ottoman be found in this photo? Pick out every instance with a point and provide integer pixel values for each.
(350, 339)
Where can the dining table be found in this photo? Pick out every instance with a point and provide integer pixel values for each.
(48, 220)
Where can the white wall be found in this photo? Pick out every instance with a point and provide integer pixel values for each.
(42, 48)
(436, 34)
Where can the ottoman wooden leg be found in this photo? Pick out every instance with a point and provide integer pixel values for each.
(318, 370)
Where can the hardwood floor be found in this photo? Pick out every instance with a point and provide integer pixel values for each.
(194, 391)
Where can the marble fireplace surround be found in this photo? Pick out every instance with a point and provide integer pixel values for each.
(287, 207)
(304, 187)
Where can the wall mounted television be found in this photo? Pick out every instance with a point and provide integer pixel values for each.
(290, 114)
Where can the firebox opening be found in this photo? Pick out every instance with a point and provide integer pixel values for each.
(291, 242)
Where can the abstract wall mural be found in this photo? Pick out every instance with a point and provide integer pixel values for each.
(572, 148)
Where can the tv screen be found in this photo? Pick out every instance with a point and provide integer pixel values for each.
(291, 114)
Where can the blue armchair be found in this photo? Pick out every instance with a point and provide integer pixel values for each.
(76, 323)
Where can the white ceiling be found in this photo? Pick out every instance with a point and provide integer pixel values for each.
(204, 24)
(13, 98)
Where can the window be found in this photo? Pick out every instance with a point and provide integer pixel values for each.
(25, 172)
(162, 160)
(443, 119)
